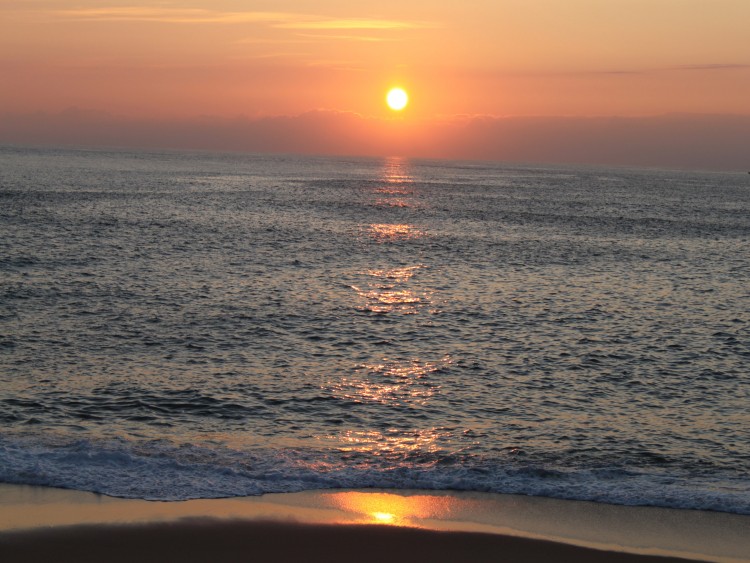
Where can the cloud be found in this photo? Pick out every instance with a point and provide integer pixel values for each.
(365, 38)
(273, 41)
(300, 38)
(697, 141)
(344, 24)
(718, 66)
(170, 15)
(280, 20)
(681, 68)
(670, 141)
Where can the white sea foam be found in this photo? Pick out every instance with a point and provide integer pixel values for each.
(163, 471)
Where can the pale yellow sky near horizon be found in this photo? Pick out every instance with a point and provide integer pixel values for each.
(256, 58)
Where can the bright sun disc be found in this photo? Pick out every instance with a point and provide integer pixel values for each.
(397, 99)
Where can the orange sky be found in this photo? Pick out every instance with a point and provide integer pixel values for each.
(186, 58)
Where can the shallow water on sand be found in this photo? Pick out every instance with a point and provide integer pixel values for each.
(180, 325)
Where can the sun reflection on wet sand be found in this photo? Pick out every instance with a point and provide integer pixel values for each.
(386, 508)
(384, 517)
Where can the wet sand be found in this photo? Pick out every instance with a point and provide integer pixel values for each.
(42, 524)
(214, 540)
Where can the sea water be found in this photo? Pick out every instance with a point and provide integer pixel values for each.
(187, 325)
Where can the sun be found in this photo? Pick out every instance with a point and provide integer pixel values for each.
(397, 99)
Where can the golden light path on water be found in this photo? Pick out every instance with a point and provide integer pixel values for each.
(383, 301)
(383, 296)
(393, 202)
(386, 293)
(394, 382)
(392, 195)
(392, 443)
(402, 274)
(394, 170)
(383, 232)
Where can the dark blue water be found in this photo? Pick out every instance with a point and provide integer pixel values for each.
(180, 325)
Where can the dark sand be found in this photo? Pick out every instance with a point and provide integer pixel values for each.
(216, 541)
(44, 524)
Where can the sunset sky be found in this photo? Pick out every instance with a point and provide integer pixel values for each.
(267, 60)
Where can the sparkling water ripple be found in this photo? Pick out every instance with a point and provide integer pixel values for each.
(184, 325)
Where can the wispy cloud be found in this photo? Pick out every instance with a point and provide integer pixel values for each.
(365, 38)
(304, 38)
(642, 71)
(274, 41)
(172, 15)
(279, 55)
(343, 24)
(280, 20)
(718, 66)
(681, 68)
(335, 65)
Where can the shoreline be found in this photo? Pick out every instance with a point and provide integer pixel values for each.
(39, 520)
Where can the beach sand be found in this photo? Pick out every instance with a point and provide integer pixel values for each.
(42, 524)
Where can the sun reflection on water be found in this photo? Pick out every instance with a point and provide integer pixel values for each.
(393, 202)
(396, 191)
(383, 293)
(396, 170)
(393, 190)
(387, 232)
(391, 383)
(385, 300)
(397, 274)
(395, 444)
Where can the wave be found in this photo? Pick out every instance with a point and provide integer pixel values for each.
(163, 470)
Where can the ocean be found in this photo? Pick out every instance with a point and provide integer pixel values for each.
(180, 325)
